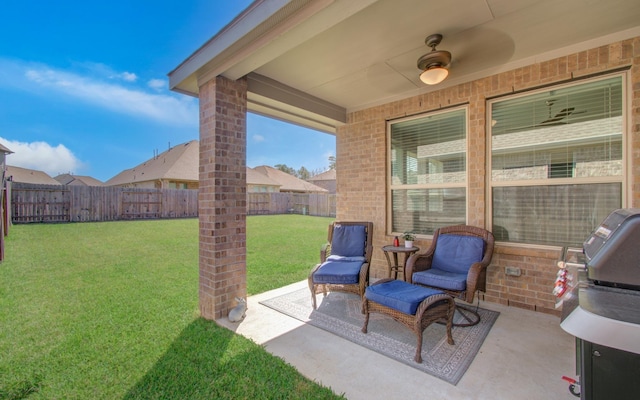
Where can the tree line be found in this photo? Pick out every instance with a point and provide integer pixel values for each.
(302, 172)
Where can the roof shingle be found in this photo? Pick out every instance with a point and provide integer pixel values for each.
(179, 162)
(25, 175)
(289, 183)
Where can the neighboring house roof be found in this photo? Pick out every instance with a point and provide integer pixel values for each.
(257, 178)
(329, 175)
(289, 183)
(25, 175)
(4, 149)
(178, 163)
(326, 180)
(77, 180)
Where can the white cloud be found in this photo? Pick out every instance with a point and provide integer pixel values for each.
(47, 81)
(105, 71)
(258, 138)
(42, 156)
(128, 76)
(157, 84)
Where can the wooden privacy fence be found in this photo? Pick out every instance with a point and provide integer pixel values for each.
(57, 203)
(323, 205)
(5, 212)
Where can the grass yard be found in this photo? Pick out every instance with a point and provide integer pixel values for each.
(110, 310)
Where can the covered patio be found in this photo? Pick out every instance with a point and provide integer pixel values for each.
(350, 68)
(524, 357)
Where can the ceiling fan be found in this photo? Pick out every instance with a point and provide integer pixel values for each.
(434, 65)
(560, 115)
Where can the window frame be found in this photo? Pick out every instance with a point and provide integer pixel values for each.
(390, 187)
(623, 179)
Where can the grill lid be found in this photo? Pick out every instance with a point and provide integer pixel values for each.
(613, 250)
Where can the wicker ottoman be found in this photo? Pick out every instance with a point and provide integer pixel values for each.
(415, 306)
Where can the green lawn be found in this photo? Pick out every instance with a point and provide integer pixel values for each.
(109, 310)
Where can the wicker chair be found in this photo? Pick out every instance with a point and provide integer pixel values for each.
(344, 260)
(456, 263)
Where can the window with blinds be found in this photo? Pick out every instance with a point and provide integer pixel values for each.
(428, 171)
(557, 162)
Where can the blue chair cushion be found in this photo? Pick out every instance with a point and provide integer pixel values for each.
(338, 272)
(334, 257)
(348, 240)
(399, 295)
(436, 277)
(456, 253)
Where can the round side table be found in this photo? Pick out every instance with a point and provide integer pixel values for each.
(394, 266)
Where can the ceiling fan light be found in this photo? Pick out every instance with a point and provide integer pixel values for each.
(433, 64)
(434, 75)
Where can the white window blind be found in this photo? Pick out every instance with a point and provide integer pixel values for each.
(428, 171)
(557, 162)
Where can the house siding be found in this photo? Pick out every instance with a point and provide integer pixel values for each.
(362, 159)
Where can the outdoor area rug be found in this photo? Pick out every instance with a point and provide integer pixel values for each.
(339, 313)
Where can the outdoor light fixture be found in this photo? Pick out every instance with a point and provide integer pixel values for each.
(433, 64)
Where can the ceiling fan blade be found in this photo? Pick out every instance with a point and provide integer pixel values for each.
(565, 112)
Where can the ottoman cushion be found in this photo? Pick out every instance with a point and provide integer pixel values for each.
(399, 295)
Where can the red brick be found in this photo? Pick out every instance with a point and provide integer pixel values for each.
(222, 208)
(362, 158)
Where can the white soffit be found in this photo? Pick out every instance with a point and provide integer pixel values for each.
(353, 54)
(268, 97)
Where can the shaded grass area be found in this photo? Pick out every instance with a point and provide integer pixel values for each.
(109, 310)
(282, 249)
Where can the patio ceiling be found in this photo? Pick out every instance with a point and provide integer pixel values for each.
(310, 62)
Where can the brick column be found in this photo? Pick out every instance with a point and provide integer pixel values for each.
(222, 195)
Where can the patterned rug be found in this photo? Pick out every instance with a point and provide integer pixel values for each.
(339, 313)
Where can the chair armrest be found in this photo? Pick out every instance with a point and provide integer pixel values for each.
(476, 280)
(364, 276)
(325, 252)
(313, 271)
(417, 262)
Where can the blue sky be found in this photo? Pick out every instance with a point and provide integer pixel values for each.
(84, 87)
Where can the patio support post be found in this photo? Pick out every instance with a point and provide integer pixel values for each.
(222, 195)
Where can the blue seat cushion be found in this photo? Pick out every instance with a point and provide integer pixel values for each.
(456, 253)
(436, 277)
(399, 295)
(348, 240)
(334, 257)
(338, 272)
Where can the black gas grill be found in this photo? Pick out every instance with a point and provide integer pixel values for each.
(598, 287)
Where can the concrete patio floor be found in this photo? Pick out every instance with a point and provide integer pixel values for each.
(523, 357)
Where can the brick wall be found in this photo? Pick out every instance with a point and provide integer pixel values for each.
(362, 160)
(222, 195)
